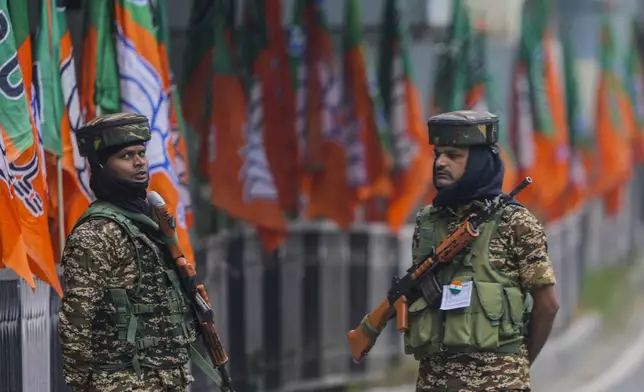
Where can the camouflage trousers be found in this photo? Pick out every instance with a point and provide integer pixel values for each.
(475, 372)
(166, 380)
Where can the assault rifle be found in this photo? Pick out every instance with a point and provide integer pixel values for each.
(200, 302)
(407, 289)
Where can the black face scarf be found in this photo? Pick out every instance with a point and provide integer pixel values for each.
(483, 179)
(129, 195)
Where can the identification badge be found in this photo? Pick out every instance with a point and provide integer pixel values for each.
(456, 295)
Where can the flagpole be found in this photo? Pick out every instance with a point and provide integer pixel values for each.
(61, 206)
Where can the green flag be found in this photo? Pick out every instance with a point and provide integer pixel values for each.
(635, 77)
(47, 73)
(14, 112)
(451, 85)
(195, 87)
(99, 79)
(580, 132)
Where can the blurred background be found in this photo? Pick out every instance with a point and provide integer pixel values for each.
(289, 139)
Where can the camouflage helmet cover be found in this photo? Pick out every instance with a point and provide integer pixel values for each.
(112, 130)
(463, 128)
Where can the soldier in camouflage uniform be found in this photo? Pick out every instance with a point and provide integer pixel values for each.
(487, 345)
(125, 324)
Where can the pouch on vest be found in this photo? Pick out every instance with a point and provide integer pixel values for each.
(424, 329)
(478, 325)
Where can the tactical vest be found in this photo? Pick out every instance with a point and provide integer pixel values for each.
(166, 325)
(173, 323)
(494, 320)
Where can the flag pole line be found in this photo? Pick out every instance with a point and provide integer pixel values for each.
(61, 206)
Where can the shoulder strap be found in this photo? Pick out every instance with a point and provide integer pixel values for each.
(104, 210)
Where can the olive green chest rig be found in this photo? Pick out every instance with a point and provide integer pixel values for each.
(494, 319)
(132, 315)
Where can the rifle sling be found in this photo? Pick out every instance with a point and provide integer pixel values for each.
(206, 368)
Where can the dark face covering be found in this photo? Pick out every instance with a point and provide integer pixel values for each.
(128, 195)
(483, 179)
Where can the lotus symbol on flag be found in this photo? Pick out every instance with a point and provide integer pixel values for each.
(24, 187)
(142, 92)
(5, 174)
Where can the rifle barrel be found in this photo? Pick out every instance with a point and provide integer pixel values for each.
(521, 186)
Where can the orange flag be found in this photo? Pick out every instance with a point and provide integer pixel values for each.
(615, 129)
(363, 110)
(143, 91)
(242, 183)
(13, 251)
(555, 89)
(268, 58)
(179, 147)
(28, 167)
(58, 110)
(541, 133)
(308, 93)
(410, 149)
(330, 196)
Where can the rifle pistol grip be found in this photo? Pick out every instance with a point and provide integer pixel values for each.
(402, 306)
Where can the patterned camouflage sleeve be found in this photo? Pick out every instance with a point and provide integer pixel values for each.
(86, 261)
(530, 250)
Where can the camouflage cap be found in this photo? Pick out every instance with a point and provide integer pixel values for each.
(112, 130)
(463, 128)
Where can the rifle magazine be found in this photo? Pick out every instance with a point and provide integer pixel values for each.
(432, 291)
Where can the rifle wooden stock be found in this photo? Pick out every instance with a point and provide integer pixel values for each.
(359, 342)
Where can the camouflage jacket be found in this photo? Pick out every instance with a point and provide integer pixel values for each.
(99, 257)
(519, 250)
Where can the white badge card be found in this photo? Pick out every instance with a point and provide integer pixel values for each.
(456, 295)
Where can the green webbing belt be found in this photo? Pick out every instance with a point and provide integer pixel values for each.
(203, 365)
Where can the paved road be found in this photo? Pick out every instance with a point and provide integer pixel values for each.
(625, 373)
(634, 383)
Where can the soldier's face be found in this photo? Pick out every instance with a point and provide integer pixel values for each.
(129, 164)
(450, 164)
